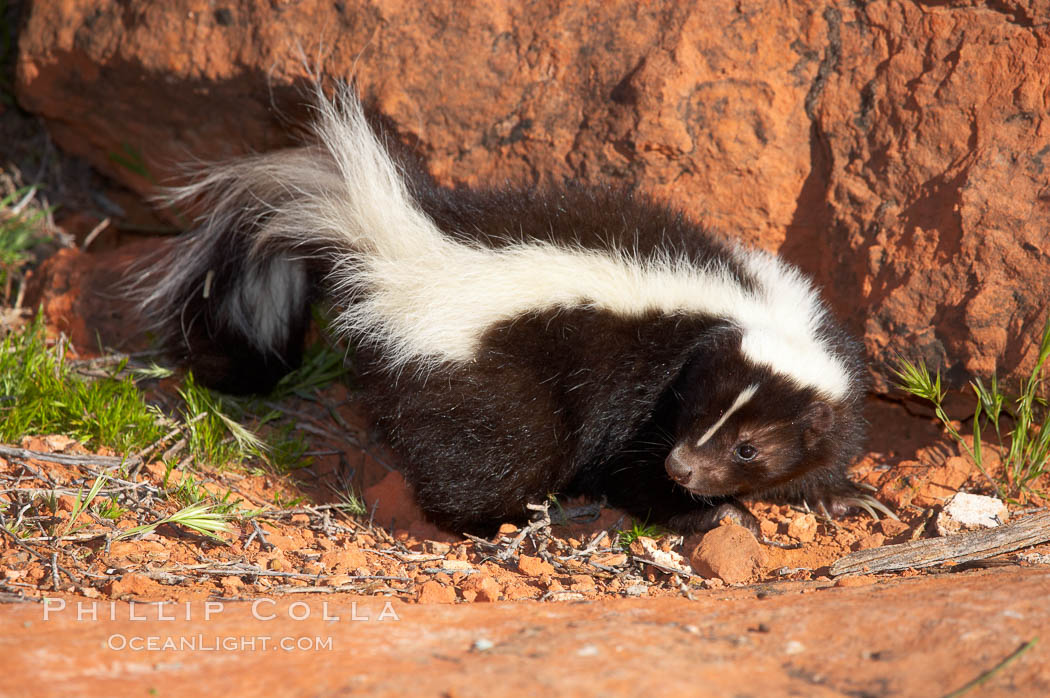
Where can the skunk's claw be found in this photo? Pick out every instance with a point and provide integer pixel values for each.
(872, 506)
(868, 504)
(839, 506)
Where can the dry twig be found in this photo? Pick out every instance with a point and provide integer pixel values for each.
(975, 545)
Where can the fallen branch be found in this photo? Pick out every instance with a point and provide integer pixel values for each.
(666, 568)
(241, 569)
(964, 547)
(64, 459)
(343, 588)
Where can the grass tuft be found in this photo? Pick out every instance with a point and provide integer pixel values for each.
(110, 509)
(205, 519)
(322, 364)
(40, 393)
(20, 231)
(217, 434)
(1025, 448)
(214, 437)
(82, 503)
(638, 530)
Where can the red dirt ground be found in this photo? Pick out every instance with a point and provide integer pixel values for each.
(565, 610)
(914, 637)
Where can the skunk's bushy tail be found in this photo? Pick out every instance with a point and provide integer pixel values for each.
(232, 298)
(346, 218)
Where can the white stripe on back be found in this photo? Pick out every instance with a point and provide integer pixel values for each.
(423, 297)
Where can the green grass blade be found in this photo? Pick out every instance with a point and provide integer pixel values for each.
(82, 503)
(199, 517)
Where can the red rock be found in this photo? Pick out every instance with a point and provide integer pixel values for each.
(489, 592)
(768, 527)
(803, 528)
(343, 559)
(901, 166)
(560, 101)
(518, 591)
(280, 540)
(135, 586)
(123, 548)
(720, 640)
(874, 540)
(534, 566)
(420, 529)
(936, 173)
(67, 287)
(943, 481)
(609, 559)
(892, 528)
(899, 492)
(484, 587)
(582, 582)
(58, 443)
(729, 552)
(436, 592)
(232, 584)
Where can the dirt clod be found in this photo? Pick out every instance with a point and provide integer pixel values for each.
(534, 566)
(873, 540)
(730, 553)
(892, 528)
(436, 592)
(344, 560)
(803, 528)
(135, 586)
(483, 587)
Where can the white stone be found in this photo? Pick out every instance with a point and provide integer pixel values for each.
(670, 559)
(968, 512)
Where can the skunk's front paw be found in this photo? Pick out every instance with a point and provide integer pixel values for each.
(702, 520)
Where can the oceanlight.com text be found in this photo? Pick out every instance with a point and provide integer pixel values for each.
(217, 643)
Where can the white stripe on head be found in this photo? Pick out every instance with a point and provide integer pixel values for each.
(745, 395)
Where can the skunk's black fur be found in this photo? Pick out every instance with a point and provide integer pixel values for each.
(600, 344)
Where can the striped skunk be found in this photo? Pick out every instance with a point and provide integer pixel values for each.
(513, 342)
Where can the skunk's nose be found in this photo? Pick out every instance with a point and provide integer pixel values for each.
(677, 468)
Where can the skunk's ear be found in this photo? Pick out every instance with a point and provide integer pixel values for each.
(818, 419)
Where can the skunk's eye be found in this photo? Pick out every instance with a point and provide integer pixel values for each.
(745, 452)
